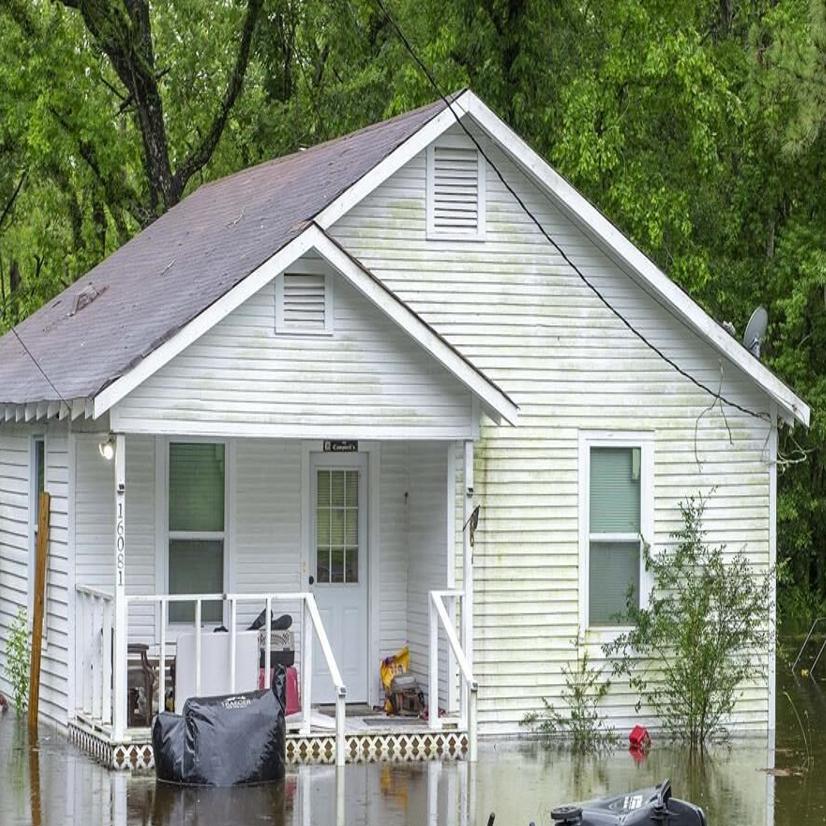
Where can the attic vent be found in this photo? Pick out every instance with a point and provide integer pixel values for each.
(456, 191)
(302, 303)
(85, 297)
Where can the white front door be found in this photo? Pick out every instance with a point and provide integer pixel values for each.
(338, 570)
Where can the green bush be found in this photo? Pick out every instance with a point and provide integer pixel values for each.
(18, 656)
(704, 633)
(582, 723)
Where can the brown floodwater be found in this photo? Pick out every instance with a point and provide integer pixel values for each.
(51, 782)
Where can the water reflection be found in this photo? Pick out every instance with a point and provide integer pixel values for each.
(53, 783)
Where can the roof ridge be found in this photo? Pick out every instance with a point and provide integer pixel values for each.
(436, 105)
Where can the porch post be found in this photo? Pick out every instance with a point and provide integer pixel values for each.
(120, 610)
(467, 564)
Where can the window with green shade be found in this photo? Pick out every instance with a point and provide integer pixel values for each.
(614, 527)
(197, 475)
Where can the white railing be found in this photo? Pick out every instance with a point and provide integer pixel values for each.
(94, 618)
(439, 614)
(310, 625)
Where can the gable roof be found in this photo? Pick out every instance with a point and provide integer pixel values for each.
(496, 402)
(172, 273)
(183, 262)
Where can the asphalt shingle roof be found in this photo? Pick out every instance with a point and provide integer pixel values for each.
(183, 262)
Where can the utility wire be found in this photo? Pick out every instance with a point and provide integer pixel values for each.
(37, 365)
(594, 289)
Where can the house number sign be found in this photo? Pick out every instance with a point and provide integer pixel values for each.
(341, 446)
(120, 540)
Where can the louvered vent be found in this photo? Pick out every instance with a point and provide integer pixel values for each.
(456, 199)
(302, 303)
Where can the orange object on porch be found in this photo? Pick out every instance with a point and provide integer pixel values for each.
(390, 668)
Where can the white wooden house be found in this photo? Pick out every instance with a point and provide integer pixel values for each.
(293, 389)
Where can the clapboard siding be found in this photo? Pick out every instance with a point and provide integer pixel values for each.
(366, 374)
(513, 306)
(15, 454)
(95, 524)
(427, 554)
(393, 545)
(266, 525)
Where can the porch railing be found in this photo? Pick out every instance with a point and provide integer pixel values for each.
(94, 618)
(96, 683)
(440, 615)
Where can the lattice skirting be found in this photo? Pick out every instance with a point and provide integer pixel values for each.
(396, 747)
(118, 756)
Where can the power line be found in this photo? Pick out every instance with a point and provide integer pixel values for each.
(37, 365)
(594, 289)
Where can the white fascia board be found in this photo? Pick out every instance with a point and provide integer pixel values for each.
(378, 295)
(628, 255)
(406, 151)
(205, 321)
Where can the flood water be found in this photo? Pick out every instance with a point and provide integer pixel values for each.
(54, 783)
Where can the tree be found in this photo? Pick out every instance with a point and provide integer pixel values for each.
(702, 636)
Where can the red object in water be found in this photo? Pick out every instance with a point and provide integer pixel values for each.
(293, 697)
(639, 739)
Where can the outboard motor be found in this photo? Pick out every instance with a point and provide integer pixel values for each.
(653, 806)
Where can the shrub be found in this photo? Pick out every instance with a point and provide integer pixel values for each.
(703, 634)
(18, 655)
(583, 724)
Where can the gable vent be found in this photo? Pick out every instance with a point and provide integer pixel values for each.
(302, 303)
(456, 201)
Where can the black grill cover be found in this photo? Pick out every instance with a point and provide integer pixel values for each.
(224, 741)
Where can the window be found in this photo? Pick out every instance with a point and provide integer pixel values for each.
(37, 486)
(337, 526)
(38, 476)
(455, 190)
(197, 473)
(616, 500)
(303, 301)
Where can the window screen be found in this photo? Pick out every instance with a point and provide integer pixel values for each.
(196, 527)
(614, 532)
(337, 526)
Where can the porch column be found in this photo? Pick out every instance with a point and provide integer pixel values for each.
(120, 610)
(467, 562)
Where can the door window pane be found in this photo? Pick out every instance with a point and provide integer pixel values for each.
(615, 490)
(337, 531)
(196, 566)
(196, 487)
(614, 569)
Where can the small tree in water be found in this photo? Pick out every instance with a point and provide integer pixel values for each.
(704, 633)
(582, 724)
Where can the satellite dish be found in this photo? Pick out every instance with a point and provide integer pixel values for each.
(755, 331)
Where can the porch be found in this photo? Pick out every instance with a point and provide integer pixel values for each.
(370, 563)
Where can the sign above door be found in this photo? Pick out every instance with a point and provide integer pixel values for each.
(341, 446)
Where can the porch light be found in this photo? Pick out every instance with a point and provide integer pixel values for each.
(107, 449)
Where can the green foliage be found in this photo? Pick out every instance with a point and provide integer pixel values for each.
(702, 636)
(582, 724)
(18, 656)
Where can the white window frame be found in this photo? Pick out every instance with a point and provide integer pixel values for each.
(314, 266)
(479, 234)
(644, 441)
(34, 496)
(163, 516)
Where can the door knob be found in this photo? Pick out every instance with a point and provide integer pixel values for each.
(312, 580)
